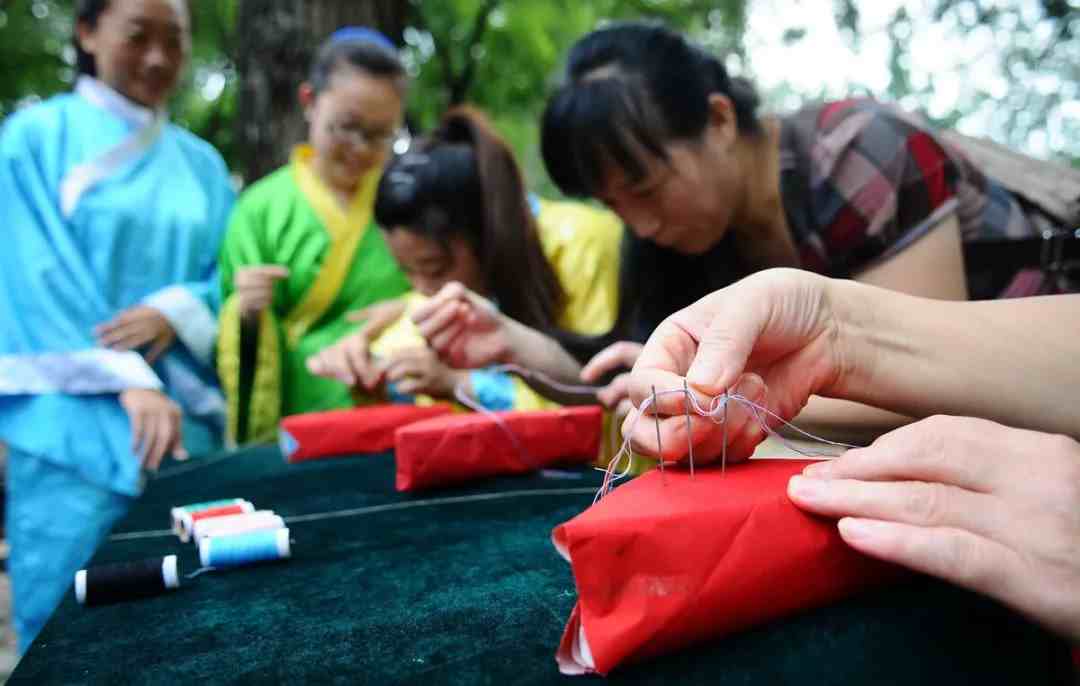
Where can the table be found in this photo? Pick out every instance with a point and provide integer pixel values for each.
(462, 586)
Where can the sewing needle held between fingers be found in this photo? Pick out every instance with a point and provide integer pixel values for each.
(689, 436)
(656, 418)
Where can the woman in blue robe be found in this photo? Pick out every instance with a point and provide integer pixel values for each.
(107, 295)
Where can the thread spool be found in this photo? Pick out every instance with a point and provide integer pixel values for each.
(177, 513)
(237, 550)
(126, 581)
(237, 524)
(189, 519)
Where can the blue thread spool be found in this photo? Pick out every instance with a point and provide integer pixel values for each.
(222, 552)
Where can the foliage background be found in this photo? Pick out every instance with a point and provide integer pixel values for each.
(505, 55)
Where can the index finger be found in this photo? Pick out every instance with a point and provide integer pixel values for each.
(385, 311)
(663, 364)
(448, 293)
(267, 271)
(615, 356)
(950, 450)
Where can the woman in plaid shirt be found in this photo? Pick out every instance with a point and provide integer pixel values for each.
(654, 127)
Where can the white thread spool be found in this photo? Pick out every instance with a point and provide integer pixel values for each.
(236, 524)
(187, 519)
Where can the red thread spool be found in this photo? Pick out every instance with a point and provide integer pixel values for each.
(219, 512)
(187, 524)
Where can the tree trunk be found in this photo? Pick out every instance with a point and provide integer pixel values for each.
(276, 40)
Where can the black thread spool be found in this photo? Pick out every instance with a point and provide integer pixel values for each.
(126, 581)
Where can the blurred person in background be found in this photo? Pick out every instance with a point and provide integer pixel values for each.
(302, 249)
(108, 295)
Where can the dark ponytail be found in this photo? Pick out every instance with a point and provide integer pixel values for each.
(463, 180)
(630, 89)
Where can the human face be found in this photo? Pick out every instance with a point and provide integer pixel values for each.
(688, 201)
(352, 124)
(430, 266)
(140, 47)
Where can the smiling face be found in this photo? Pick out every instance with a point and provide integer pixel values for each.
(139, 47)
(686, 202)
(430, 265)
(352, 124)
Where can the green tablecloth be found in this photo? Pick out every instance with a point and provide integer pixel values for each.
(463, 587)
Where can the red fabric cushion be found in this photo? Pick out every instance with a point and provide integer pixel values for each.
(449, 450)
(666, 561)
(343, 432)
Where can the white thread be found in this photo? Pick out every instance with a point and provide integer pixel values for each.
(717, 407)
(388, 507)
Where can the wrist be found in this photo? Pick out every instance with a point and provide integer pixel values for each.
(458, 378)
(874, 338)
(512, 342)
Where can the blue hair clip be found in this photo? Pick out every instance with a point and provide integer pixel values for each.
(361, 34)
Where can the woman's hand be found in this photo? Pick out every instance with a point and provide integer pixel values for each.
(464, 329)
(419, 370)
(621, 355)
(772, 338)
(981, 505)
(255, 287)
(155, 426)
(349, 360)
(140, 327)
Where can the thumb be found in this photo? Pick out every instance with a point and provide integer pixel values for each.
(724, 348)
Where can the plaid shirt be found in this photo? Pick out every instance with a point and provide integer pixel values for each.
(862, 180)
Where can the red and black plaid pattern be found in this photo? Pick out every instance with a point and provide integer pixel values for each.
(862, 180)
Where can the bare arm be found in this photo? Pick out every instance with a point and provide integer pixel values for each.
(799, 334)
(1012, 361)
(931, 267)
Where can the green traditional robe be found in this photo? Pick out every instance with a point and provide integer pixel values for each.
(338, 263)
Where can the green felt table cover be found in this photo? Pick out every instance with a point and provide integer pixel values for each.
(463, 586)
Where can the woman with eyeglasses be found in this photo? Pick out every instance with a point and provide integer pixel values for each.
(302, 249)
(540, 277)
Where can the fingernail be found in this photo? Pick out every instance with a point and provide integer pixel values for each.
(805, 489)
(859, 529)
(818, 470)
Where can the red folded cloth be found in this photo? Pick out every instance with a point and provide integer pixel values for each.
(668, 560)
(344, 432)
(452, 449)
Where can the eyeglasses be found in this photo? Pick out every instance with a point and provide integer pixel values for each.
(359, 136)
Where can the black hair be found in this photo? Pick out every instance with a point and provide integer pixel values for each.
(630, 88)
(463, 181)
(87, 12)
(368, 55)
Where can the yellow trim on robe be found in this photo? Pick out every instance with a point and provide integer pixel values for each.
(264, 410)
(345, 227)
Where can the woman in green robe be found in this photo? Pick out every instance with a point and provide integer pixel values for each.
(302, 249)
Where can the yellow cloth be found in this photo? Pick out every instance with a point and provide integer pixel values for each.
(582, 244)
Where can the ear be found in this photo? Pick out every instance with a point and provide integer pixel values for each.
(87, 36)
(305, 94)
(722, 118)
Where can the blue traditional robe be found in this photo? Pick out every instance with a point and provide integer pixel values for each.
(106, 206)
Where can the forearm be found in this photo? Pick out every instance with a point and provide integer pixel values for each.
(538, 352)
(844, 420)
(1008, 360)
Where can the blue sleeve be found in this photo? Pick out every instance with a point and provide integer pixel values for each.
(223, 197)
(493, 390)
